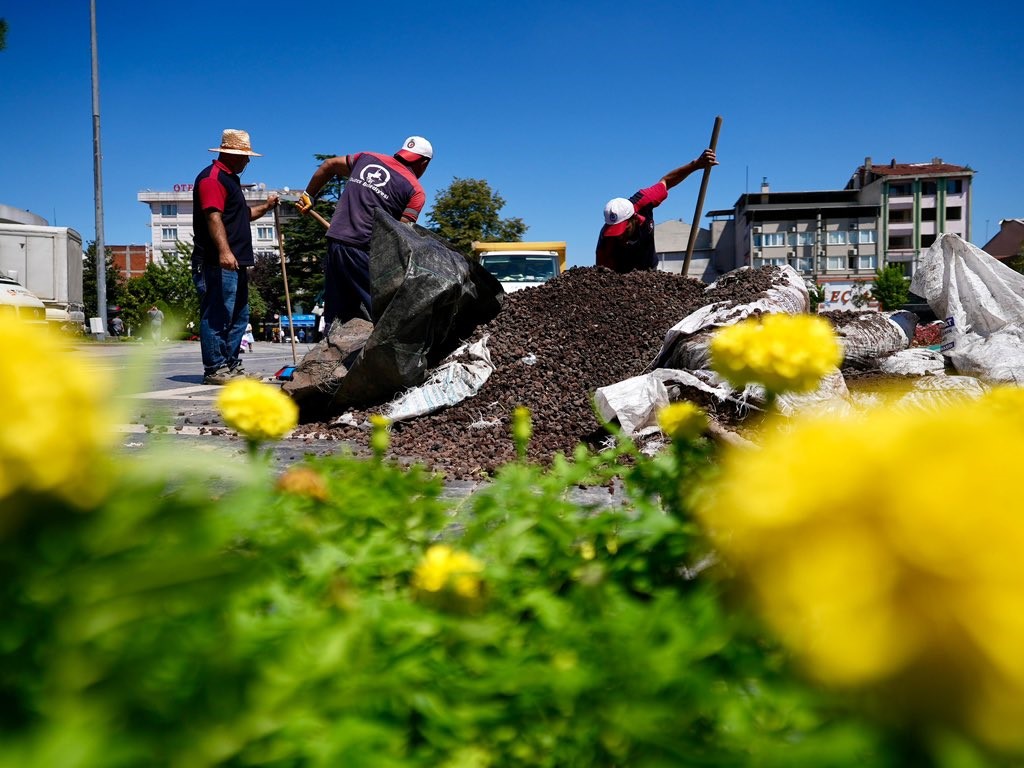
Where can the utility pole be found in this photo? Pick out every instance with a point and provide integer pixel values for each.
(97, 166)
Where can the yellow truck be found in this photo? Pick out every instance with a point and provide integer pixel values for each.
(521, 265)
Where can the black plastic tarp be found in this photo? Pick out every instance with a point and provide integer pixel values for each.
(426, 298)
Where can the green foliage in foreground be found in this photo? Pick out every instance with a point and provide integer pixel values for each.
(193, 623)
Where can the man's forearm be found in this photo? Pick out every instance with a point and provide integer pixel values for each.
(257, 211)
(673, 177)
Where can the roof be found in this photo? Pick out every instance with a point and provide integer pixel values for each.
(918, 169)
(1008, 239)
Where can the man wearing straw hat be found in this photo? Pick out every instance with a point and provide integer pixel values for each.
(222, 255)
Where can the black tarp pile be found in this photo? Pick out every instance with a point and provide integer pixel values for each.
(426, 298)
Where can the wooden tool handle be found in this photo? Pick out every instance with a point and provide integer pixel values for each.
(695, 226)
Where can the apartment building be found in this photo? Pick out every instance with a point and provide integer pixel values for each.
(170, 219)
(838, 238)
(917, 203)
(826, 234)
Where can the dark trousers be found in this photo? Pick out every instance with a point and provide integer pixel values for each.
(346, 283)
(223, 315)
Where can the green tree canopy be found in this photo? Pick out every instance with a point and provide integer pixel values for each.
(115, 282)
(469, 210)
(3, 34)
(1016, 262)
(891, 287)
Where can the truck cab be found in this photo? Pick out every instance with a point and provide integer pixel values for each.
(18, 301)
(521, 265)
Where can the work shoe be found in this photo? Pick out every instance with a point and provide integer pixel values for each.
(219, 377)
(239, 372)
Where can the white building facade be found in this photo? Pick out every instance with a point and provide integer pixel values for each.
(170, 219)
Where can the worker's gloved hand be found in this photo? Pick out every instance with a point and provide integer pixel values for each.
(304, 203)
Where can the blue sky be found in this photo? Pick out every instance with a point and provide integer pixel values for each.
(559, 106)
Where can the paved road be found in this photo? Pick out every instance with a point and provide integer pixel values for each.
(160, 389)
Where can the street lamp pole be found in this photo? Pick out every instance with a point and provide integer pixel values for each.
(97, 165)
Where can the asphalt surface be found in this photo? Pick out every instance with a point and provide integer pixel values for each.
(161, 396)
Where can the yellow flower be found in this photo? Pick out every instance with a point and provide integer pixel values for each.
(522, 430)
(682, 420)
(783, 353)
(303, 481)
(883, 571)
(1008, 401)
(57, 429)
(445, 569)
(258, 411)
(380, 437)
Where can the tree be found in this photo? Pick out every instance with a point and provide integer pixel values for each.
(3, 34)
(891, 288)
(169, 286)
(115, 282)
(1016, 263)
(468, 210)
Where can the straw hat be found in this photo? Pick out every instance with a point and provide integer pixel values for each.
(235, 142)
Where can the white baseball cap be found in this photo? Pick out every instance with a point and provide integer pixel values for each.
(618, 211)
(415, 147)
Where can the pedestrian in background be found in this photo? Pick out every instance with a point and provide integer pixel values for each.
(117, 326)
(156, 323)
(375, 181)
(222, 254)
(626, 241)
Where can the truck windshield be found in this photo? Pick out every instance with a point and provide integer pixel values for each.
(518, 268)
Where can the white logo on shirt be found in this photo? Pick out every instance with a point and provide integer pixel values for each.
(375, 176)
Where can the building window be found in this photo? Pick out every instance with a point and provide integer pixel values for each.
(954, 213)
(928, 188)
(837, 238)
(867, 262)
(866, 237)
(264, 233)
(901, 216)
(169, 233)
(927, 214)
(805, 264)
(900, 242)
(835, 263)
(769, 240)
(168, 209)
(899, 190)
(927, 240)
(954, 186)
(800, 238)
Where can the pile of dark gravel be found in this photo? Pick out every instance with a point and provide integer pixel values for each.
(552, 346)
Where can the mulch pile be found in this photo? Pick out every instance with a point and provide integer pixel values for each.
(552, 346)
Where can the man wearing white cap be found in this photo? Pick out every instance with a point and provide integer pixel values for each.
(374, 181)
(222, 255)
(626, 241)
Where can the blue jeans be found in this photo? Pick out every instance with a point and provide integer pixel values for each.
(223, 315)
(346, 283)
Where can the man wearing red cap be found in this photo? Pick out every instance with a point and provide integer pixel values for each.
(373, 181)
(626, 241)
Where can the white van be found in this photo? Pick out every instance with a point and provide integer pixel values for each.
(18, 301)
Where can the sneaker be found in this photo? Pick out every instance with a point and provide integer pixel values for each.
(219, 377)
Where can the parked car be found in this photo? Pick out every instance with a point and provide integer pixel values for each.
(20, 302)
